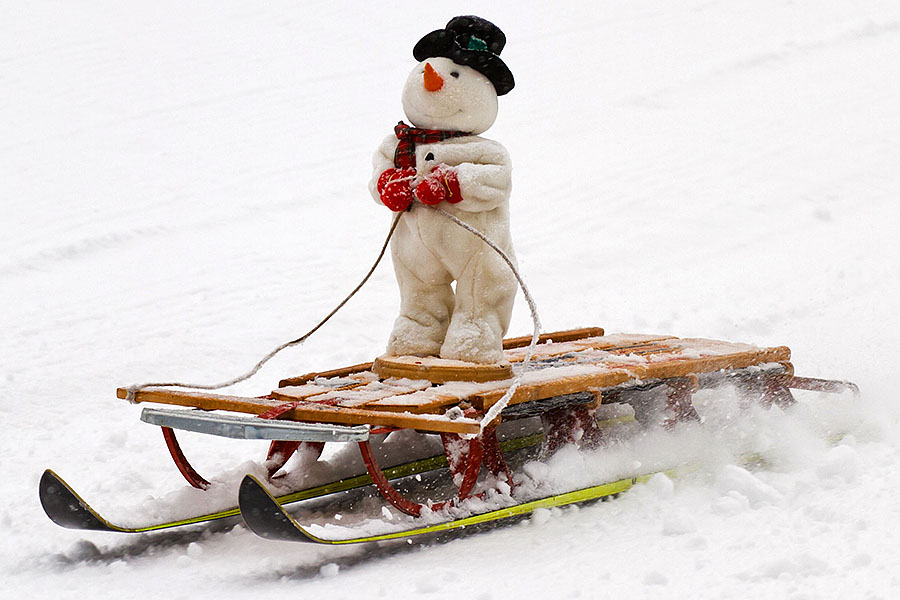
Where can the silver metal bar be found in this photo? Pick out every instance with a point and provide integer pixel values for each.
(830, 386)
(253, 428)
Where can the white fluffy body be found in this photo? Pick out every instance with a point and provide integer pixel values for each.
(431, 252)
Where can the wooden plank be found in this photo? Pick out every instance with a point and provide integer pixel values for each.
(682, 367)
(616, 342)
(358, 396)
(423, 402)
(621, 341)
(308, 411)
(311, 391)
(652, 348)
(618, 373)
(528, 392)
(319, 413)
(342, 372)
(438, 370)
(557, 336)
(240, 404)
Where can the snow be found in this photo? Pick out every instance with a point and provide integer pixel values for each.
(184, 188)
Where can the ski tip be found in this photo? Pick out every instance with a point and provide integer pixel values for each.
(259, 509)
(55, 496)
(48, 477)
(66, 508)
(263, 515)
(49, 486)
(252, 489)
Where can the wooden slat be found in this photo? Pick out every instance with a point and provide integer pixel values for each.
(557, 336)
(241, 404)
(428, 401)
(310, 391)
(402, 420)
(620, 341)
(438, 370)
(708, 364)
(654, 347)
(556, 387)
(343, 372)
(308, 411)
(621, 372)
(357, 396)
(610, 344)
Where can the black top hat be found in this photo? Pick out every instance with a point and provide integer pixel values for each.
(473, 42)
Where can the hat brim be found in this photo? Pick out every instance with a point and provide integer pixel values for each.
(443, 43)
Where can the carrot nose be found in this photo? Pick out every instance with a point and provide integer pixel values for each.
(433, 81)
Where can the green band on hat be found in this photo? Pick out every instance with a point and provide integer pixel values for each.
(477, 44)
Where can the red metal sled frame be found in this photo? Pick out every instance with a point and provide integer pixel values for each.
(181, 461)
(484, 449)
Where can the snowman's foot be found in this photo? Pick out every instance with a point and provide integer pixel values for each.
(410, 338)
(473, 342)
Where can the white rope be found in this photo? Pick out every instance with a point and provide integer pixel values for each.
(495, 410)
(132, 390)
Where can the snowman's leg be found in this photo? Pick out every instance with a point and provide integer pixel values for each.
(426, 302)
(485, 292)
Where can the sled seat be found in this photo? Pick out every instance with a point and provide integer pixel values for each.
(564, 363)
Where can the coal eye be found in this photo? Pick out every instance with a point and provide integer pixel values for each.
(454, 74)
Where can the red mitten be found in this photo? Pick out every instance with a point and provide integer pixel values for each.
(390, 175)
(431, 191)
(451, 182)
(394, 188)
(442, 184)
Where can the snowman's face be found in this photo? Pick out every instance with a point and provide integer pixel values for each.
(452, 97)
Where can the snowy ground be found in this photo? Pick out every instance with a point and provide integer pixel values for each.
(183, 188)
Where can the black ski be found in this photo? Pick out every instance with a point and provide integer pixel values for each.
(265, 517)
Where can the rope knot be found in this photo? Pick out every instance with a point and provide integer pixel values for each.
(130, 393)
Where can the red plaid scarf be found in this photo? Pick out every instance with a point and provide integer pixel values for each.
(405, 154)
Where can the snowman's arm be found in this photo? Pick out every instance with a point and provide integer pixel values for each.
(381, 161)
(485, 177)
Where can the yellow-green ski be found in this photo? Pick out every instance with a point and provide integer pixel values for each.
(67, 508)
(265, 517)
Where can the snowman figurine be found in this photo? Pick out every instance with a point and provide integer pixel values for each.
(450, 98)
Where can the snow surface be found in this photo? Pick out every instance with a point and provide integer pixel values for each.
(184, 187)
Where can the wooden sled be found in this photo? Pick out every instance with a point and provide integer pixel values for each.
(569, 375)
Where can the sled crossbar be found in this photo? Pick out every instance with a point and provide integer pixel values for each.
(253, 428)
